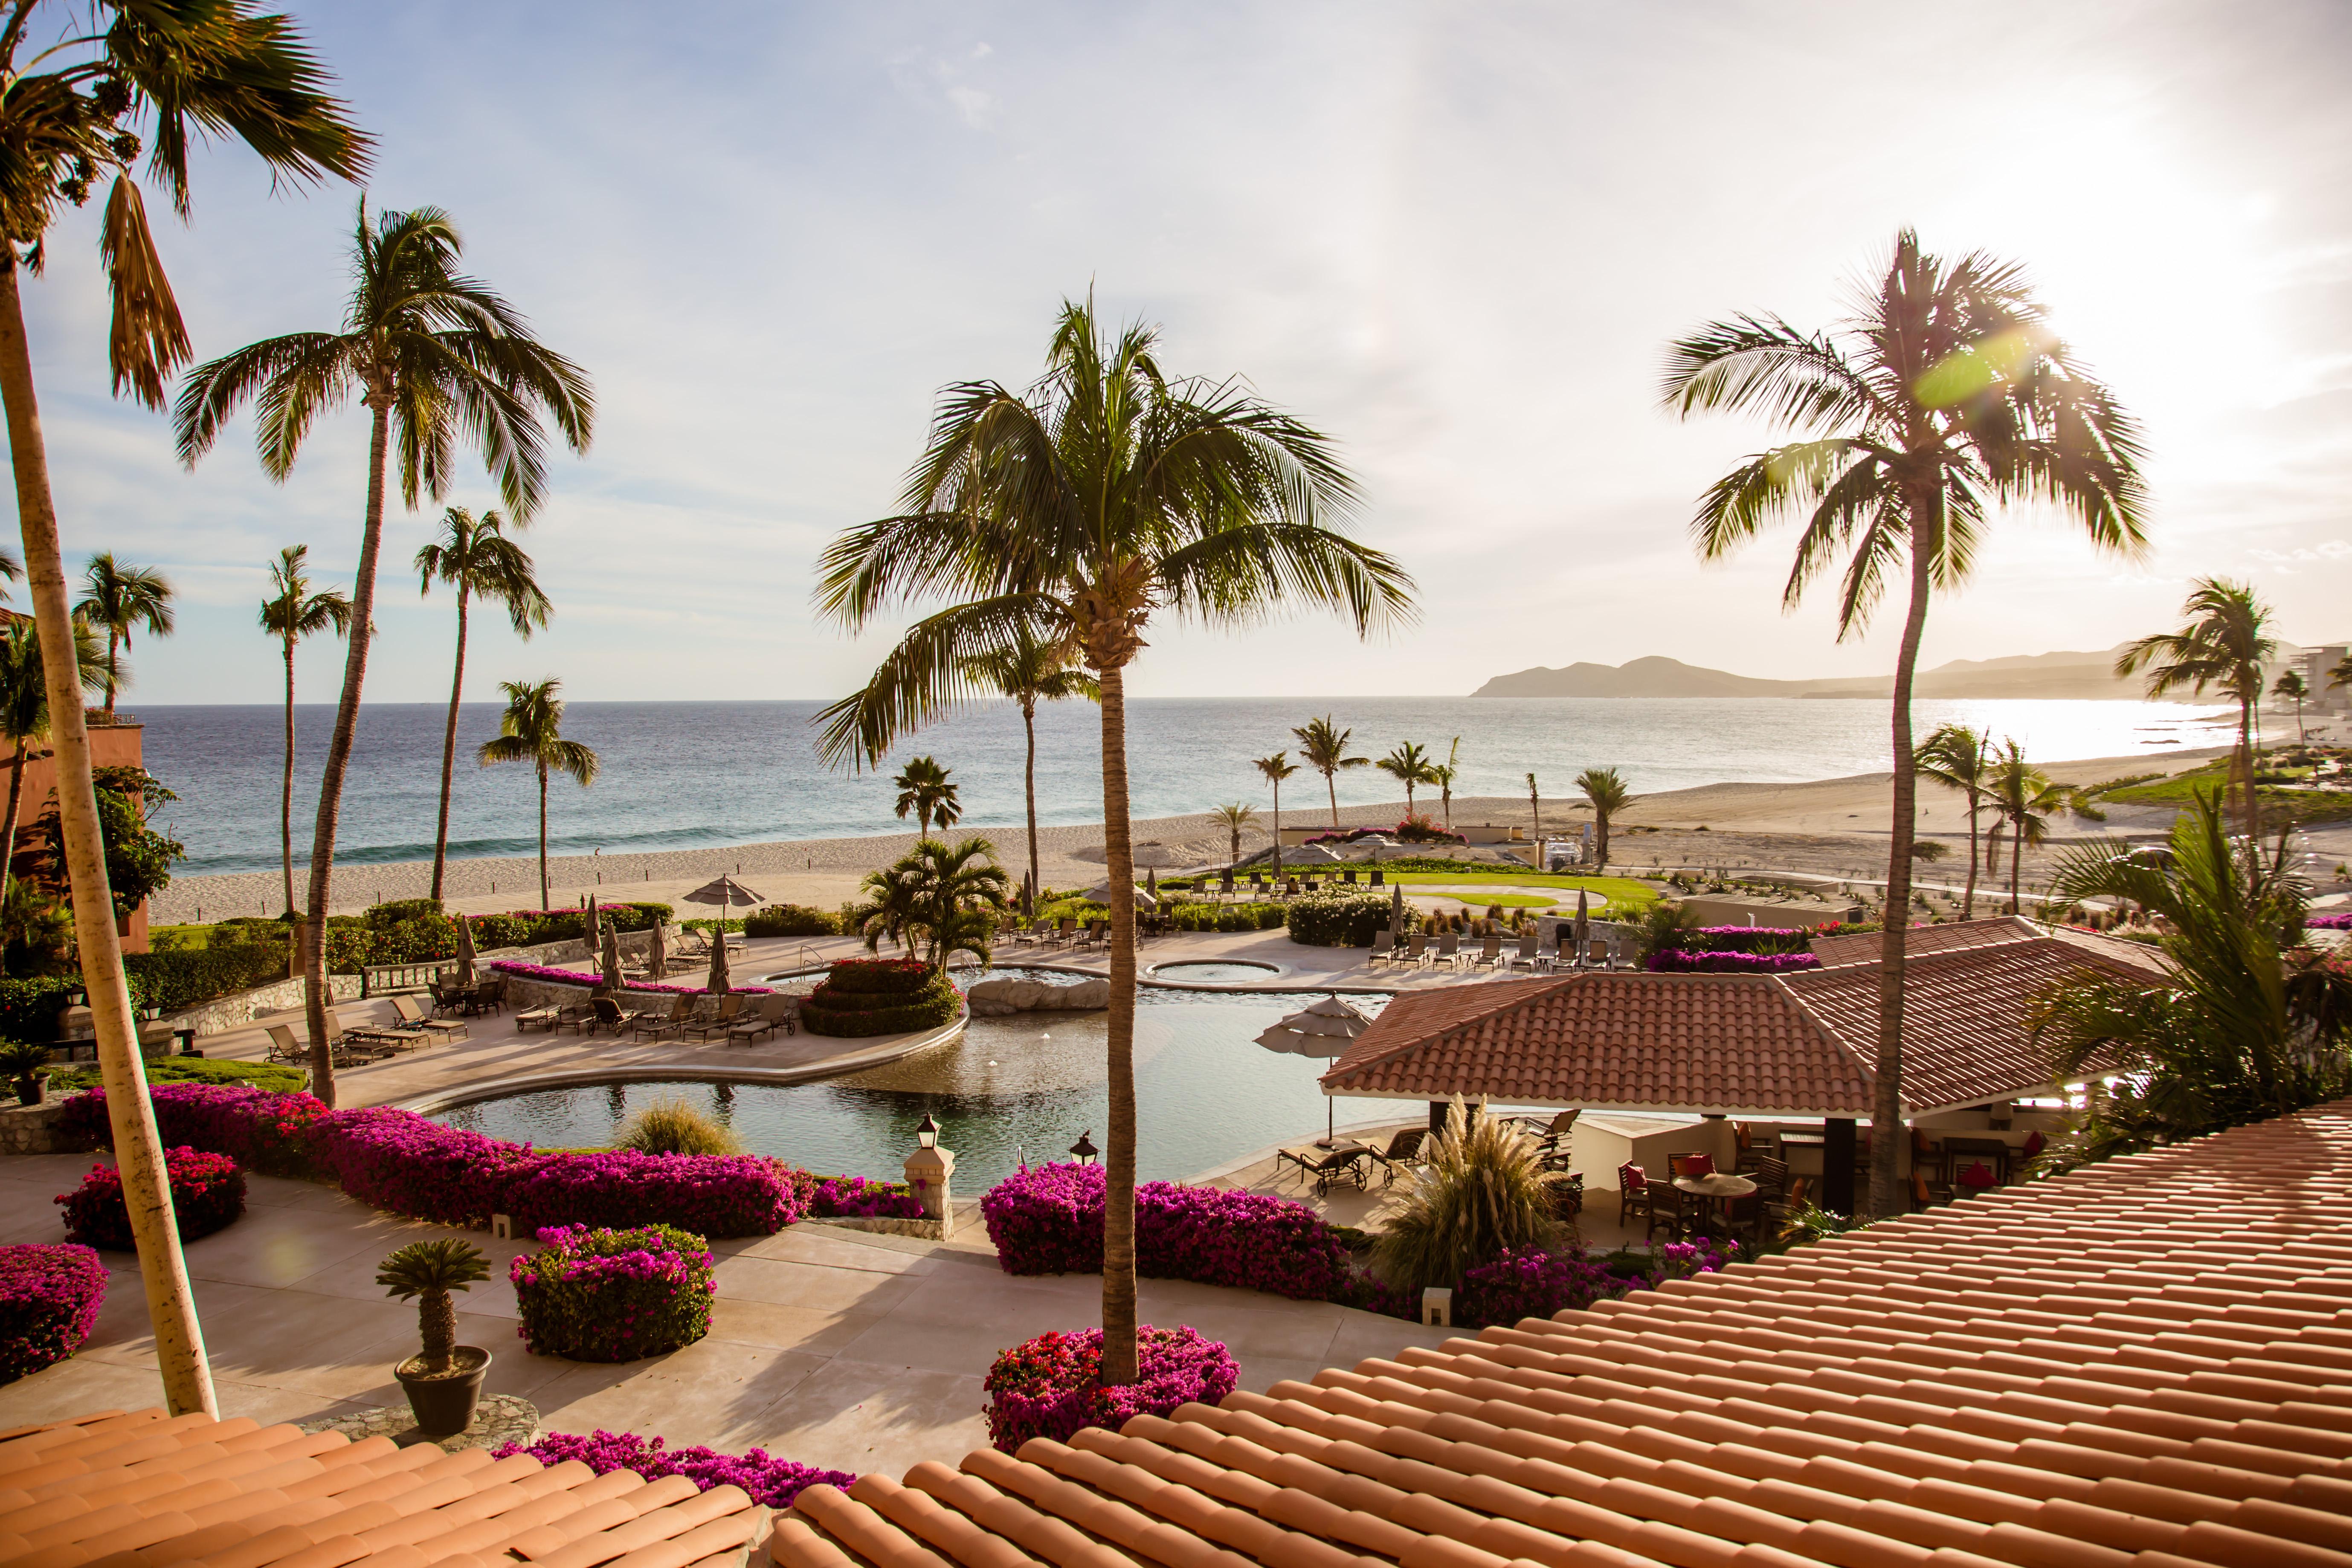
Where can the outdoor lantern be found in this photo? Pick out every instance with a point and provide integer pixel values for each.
(928, 1135)
(1085, 1149)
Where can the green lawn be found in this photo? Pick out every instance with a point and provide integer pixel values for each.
(1505, 900)
(2278, 804)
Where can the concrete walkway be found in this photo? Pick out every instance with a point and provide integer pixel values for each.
(831, 1346)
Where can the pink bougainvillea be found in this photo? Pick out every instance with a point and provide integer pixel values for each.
(542, 971)
(1051, 1385)
(50, 1297)
(207, 1195)
(770, 1481)
(855, 1197)
(1667, 961)
(613, 1295)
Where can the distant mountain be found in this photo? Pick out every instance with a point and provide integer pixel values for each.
(2042, 675)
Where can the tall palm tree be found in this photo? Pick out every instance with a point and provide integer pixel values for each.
(2224, 644)
(1030, 671)
(1275, 769)
(70, 115)
(2025, 799)
(1945, 396)
(1960, 758)
(290, 614)
(1324, 748)
(1106, 493)
(1409, 764)
(1535, 804)
(476, 557)
(24, 714)
(531, 730)
(122, 599)
(925, 789)
(1235, 817)
(1444, 776)
(435, 356)
(1607, 792)
(2291, 687)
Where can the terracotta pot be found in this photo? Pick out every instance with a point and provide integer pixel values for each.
(32, 1089)
(443, 1406)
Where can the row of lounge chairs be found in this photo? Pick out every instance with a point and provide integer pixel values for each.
(354, 1046)
(1351, 1162)
(1069, 932)
(1424, 951)
(734, 1018)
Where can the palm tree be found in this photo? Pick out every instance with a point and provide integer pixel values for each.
(478, 558)
(1409, 764)
(2024, 799)
(2339, 674)
(1106, 493)
(958, 893)
(1325, 749)
(2291, 687)
(1444, 776)
(1276, 769)
(122, 599)
(240, 75)
(1607, 792)
(425, 1272)
(290, 614)
(531, 730)
(923, 789)
(24, 714)
(434, 355)
(1535, 804)
(1029, 673)
(1235, 817)
(1945, 396)
(1960, 758)
(2225, 643)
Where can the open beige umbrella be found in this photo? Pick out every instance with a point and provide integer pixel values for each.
(1321, 1030)
(465, 950)
(1100, 894)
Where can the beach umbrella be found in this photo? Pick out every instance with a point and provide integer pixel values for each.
(465, 950)
(589, 922)
(1100, 894)
(657, 950)
(1583, 926)
(1321, 1030)
(611, 957)
(726, 892)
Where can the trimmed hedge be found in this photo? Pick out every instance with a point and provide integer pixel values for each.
(613, 1295)
(207, 1195)
(64, 1079)
(1051, 1385)
(188, 977)
(1339, 920)
(1225, 917)
(30, 1008)
(878, 977)
(50, 1297)
(866, 997)
(791, 919)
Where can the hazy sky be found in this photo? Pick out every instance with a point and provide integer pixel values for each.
(1457, 238)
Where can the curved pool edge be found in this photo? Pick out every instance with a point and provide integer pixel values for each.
(473, 1093)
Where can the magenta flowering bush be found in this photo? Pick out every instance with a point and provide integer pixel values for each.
(855, 1197)
(397, 1160)
(717, 1195)
(772, 1481)
(1668, 961)
(522, 971)
(1529, 1282)
(613, 1295)
(207, 1195)
(1051, 1385)
(262, 1130)
(1686, 1260)
(2329, 921)
(1748, 939)
(50, 1297)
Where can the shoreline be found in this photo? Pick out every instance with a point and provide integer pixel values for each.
(1826, 824)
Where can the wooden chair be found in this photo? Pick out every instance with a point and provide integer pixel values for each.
(1751, 1150)
(609, 1016)
(1672, 1207)
(490, 995)
(1568, 1196)
(1771, 1178)
(1327, 1169)
(1926, 1195)
(1632, 1193)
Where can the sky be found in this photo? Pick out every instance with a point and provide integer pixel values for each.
(1458, 238)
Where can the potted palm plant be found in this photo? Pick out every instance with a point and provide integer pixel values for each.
(25, 1064)
(444, 1381)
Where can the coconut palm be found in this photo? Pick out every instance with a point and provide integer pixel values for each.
(2024, 800)
(290, 614)
(1607, 792)
(2339, 674)
(2224, 644)
(1960, 758)
(121, 599)
(1945, 396)
(531, 730)
(1235, 817)
(2291, 687)
(24, 714)
(1444, 776)
(1409, 764)
(924, 789)
(434, 357)
(1030, 671)
(106, 71)
(1324, 747)
(1274, 770)
(1107, 493)
(1535, 804)
(477, 558)
(960, 895)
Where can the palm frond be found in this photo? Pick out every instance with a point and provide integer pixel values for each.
(147, 342)
(928, 673)
(1762, 364)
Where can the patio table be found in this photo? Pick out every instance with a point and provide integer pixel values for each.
(1720, 1187)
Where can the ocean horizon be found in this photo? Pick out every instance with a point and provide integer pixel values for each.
(687, 775)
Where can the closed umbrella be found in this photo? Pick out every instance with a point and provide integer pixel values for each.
(1583, 927)
(465, 950)
(1321, 1030)
(1151, 885)
(718, 984)
(1396, 909)
(1100, 894)
(589, 922)
(611, 957)
(657, 950)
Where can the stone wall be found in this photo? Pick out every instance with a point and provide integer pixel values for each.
(31, 1129)
(241, 1007)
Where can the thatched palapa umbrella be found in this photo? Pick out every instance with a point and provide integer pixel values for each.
(1321, 1030)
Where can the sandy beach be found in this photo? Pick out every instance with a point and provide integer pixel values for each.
(1836, 827)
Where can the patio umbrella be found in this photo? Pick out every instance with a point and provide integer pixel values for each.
(589, 923)
(611, 957)
(718, 984)
(726, 892)
(657, 950)
(1321, 1030)
(1583, 926)
(1152, 884)
(465, 950)
(1100, 894)
(1396, 910)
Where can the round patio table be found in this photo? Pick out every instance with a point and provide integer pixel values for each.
(1722, 1184)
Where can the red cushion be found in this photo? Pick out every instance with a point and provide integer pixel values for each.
(1632, 1178)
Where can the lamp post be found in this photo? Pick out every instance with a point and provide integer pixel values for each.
(1085, 1149)
(928, 1170)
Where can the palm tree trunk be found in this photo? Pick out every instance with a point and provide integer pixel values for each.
(2246, 770)
(1118, 1349)
(542, 840)
(16, 802)
(1277, 830)
(1029, 788)
(449, 746)
(339, 758)
(1601, 841)
(1887, 1101)
(1331, 787)
(112, 671)
(130, 1116)
(2016, 863)
(1968, 898)
(286, 785)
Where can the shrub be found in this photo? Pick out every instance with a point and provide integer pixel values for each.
(674, 1127)
(791, 919)
(207, 1195)
(259, 1129)
(1416, 828)
(855, 1197)
(1051, 1385)
(613, 1295)
(770, 1482)
(878, 976)
(1227, 917)
(714, 1195)
(542, 971)
(396, 1159)
(852, 1012)
(186, 1069)
(1748, 939)
(1339, 920)
(1481, 1193)
(190, 977)
(1531, 1282)
(50, 1297)
(2329, 921)
(29, 1008)
(1669, 961)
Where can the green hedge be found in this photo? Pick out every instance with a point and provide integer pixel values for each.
(1339, 920)
(853, 1014)
(189, 977)
(879, 976)
(791, 919)
(188, 1070)
(1225, 917)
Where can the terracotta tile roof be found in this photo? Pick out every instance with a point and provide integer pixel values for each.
(1618, 1041)
(141, 1489)
(1864, 946)
(2146, 1365)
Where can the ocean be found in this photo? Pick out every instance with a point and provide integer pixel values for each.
(684, 775)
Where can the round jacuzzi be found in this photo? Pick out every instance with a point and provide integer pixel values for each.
(1214, 970)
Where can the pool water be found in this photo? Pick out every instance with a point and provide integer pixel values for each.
(1213, 972)
(1015, 1088)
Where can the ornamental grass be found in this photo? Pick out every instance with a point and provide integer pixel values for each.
(671, 1126)
(1481, 1193)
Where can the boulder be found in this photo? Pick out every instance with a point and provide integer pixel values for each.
(994, 998)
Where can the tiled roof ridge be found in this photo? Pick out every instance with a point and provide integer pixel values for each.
(2146, 1363)
(1497, 998)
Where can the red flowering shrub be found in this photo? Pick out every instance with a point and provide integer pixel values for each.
(50, 1297)
(1051, 1385)
(613, 1295)
(262, 1130)
(772, 1481)
(207, 1195)
(715, 1194)
(855, 1197)
(1668, 961)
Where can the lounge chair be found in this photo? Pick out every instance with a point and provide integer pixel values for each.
(1096, 932)
(1449, 944)
(580, 1017)
(1489, 954)
(1327, 1169)
(1414, 946)
(1551, 1137)
(704, 1026)
(656, 1023)
(411, 1017)
(608, 1016)
(1402, 1154)
(757, 1020)
(284, 1047)
(1531, 952)
(1383, 948)
(531, 1018)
